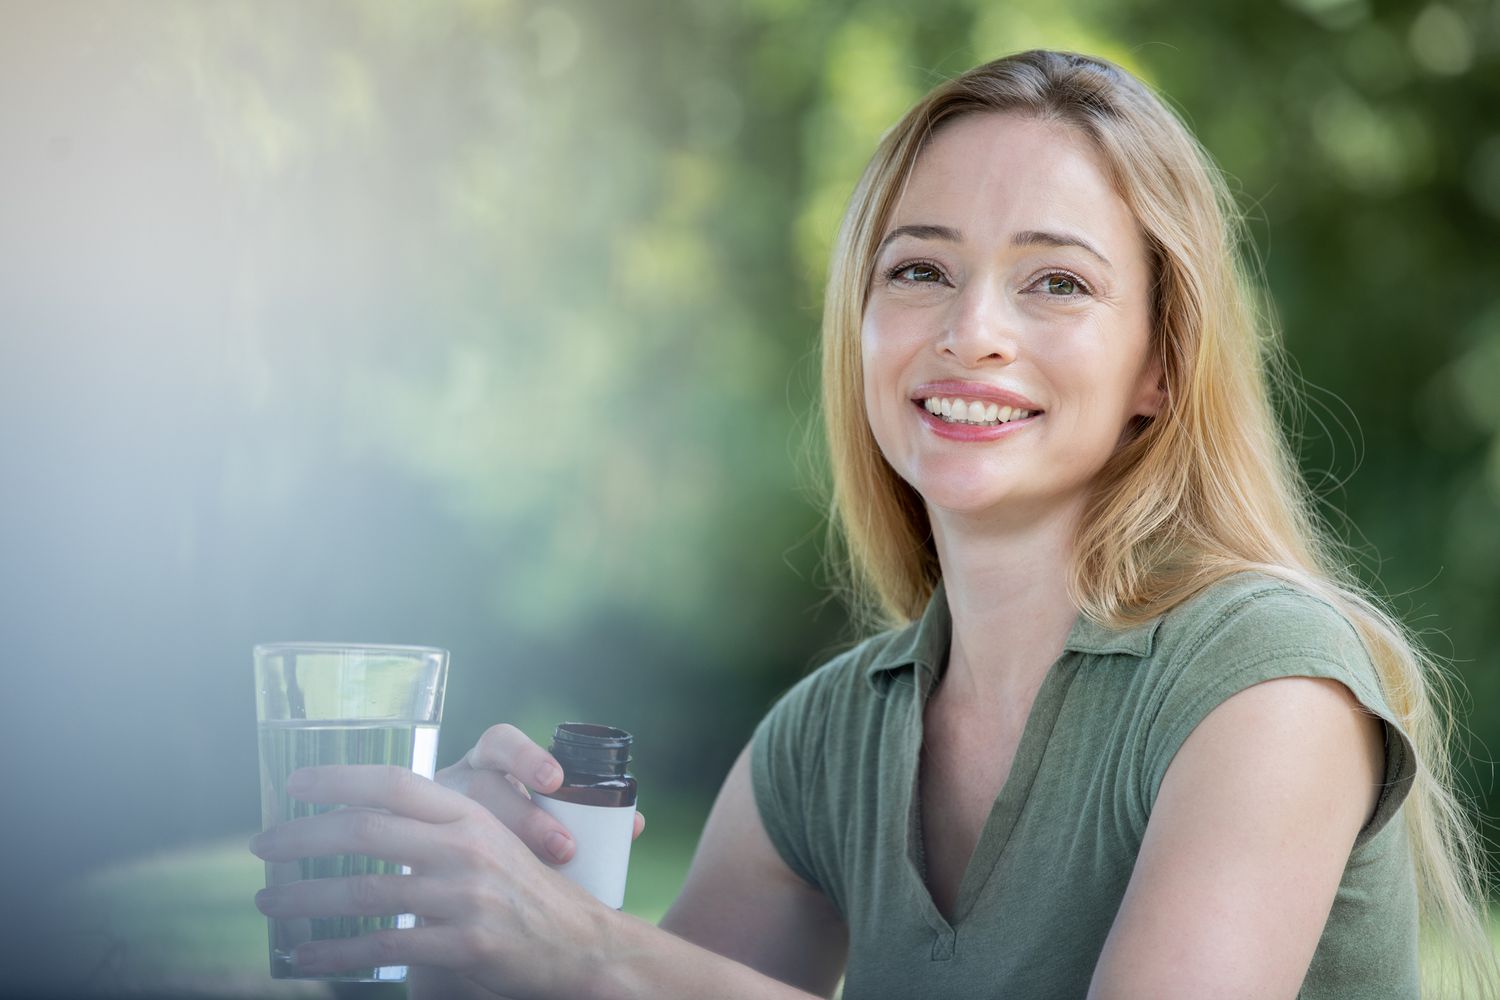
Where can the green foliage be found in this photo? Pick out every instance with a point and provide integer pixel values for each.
(489, 325)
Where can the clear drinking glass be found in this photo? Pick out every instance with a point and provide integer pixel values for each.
(331, 703)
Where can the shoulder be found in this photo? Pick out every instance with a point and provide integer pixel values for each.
(1261, 666)
(1249, 615)
(1270, 794)
(802, 751)
(837, 694)
(1271, 758)
(1250, 627)
(837, 704)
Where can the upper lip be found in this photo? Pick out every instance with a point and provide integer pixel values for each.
(974, 391)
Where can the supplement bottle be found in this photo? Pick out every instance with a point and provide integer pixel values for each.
(596, 803)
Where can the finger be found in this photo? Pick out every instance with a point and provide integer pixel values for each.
(440, 945)
(506, 748)
(546, 837)
(383, 835)
(363, 896)
(640, 824)
(455, 776)
(381, 786)
(461, 778)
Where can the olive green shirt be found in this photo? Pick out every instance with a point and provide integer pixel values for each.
(834, 767)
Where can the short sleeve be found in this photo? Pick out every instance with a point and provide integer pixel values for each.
(1276, 632)
(783, 750)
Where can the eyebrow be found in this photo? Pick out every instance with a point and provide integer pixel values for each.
(1025, 238)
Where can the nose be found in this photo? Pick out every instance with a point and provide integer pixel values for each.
(982, 326)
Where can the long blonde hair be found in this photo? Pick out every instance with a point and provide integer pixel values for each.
(1208, 488)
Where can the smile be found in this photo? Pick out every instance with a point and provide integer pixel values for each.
(974, 413)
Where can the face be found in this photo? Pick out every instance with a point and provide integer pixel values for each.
(1012, 280)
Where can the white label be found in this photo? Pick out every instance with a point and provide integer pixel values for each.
(602, 835)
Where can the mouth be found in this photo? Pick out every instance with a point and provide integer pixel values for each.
(973, 412)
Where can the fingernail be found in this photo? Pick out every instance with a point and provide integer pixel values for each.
(256, 842)
(300, 781)
(265, 899)
(547, 774)
(557, 845)
(306, 956)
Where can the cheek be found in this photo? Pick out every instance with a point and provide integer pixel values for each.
(887, 341)
(882, 358)
(879, 361)
(1100, 361)
(873, 340)
(869, 366)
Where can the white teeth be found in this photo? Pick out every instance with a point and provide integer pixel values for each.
(975, 412)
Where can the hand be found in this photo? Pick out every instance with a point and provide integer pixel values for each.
(489, 910)
(497, 772)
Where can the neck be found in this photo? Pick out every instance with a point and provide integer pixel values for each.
(1008, 597)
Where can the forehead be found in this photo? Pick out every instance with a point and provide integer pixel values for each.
(991, 174)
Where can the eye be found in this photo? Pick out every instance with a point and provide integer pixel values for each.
(1064, 285)
(921, 272)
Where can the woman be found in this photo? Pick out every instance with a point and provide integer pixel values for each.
(1132, 731)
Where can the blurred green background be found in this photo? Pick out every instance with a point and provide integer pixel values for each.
(490, 325)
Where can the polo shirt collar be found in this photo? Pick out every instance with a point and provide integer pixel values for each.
(924, 643)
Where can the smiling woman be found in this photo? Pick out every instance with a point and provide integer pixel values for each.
(1016, 308)
(1154, 490)
(1130, 731)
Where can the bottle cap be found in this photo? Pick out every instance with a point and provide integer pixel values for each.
(588, 748)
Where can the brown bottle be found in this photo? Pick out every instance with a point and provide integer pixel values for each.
(596, 803)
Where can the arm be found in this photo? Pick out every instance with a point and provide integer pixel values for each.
(742, 916)
(742, 901)
(1245, 848)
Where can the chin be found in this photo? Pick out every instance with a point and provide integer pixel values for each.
(967, 498)
(993, 494)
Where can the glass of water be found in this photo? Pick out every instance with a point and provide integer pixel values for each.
(331, 703)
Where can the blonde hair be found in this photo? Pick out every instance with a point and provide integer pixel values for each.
(1207, 489)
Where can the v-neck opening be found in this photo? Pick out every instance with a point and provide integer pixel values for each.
(1005, 810)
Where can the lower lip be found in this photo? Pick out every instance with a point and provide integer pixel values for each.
(972, 432)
